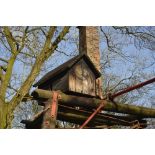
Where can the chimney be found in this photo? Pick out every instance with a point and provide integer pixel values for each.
(89, 43)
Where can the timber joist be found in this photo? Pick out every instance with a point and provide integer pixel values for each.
(93, 103)
(77, 109)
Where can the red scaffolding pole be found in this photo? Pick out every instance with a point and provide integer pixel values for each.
(137, 86)
(92, 115)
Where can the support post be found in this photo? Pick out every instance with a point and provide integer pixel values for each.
(50, 116)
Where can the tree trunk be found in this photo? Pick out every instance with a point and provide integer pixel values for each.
(93, 103)
(47, 50)
(3, 116)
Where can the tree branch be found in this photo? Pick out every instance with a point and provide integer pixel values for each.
(23, 40)
(61, 35)
(11, 41)
(46, 52)
(6, 61)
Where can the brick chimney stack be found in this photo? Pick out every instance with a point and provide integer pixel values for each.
(89, 43)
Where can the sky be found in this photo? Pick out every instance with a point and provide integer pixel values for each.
(119, 67)
(71, 12)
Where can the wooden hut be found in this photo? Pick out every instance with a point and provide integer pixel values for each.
(76, 76)
(80, 76)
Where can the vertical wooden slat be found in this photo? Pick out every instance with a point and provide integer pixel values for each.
(79, 78)
(82, 79)
(72, 81)
(88, 80)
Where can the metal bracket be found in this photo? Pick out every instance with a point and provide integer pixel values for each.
(54, 104)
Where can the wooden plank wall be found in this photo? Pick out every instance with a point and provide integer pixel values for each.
(82, 79)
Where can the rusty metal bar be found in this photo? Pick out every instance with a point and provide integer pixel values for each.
(137, 86)
(49, 120)
(54, 104)
(130, 123)
(92, 115)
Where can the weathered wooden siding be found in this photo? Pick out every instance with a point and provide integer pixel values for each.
(82, 79)
(61, 84)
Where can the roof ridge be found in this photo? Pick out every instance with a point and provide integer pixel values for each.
(65, 66)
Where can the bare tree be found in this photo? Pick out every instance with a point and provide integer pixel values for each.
(36, 45)
(127, 57)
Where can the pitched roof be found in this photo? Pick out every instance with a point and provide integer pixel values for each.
(66, 66)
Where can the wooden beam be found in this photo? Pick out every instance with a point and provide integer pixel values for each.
(93, 103)
(78, 116)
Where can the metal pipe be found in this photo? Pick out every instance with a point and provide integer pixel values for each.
(137, 86)
(92, 115)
